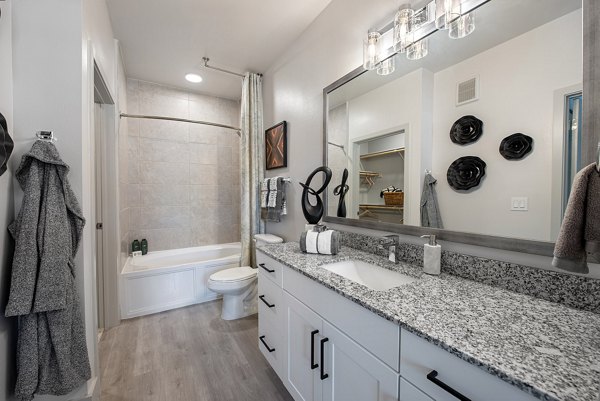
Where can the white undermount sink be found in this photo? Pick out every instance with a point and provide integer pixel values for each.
(372, 276)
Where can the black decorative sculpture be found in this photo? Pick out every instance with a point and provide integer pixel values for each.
(6, 145)
(466, 130)
(516, 146)
(341, 191)
(466, 173)
(313, 213)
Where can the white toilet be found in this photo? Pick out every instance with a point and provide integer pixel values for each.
(238, 285)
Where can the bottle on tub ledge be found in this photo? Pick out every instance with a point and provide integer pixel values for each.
(144, 246)
(136, 248)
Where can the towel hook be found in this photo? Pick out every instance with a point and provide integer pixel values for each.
(46, 136)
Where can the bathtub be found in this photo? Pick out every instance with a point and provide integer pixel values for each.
(165, 280)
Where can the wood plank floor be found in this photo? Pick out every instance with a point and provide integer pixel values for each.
(187, 354)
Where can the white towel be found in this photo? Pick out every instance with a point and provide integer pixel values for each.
(323, 245)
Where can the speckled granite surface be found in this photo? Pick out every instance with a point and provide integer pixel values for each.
(544, 348)
(574, 291)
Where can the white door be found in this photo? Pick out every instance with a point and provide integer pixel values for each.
(302, 360)
(353, 374)
(98, 156)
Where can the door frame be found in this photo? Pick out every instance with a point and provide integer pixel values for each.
(110, 205)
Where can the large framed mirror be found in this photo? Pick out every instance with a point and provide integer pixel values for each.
(452, 117)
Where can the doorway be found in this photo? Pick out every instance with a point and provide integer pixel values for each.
(105, 204)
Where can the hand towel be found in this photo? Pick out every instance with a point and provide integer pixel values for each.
(325, 243)
(579, 235)
(273, 203)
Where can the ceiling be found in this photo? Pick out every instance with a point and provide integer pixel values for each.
(163, 40)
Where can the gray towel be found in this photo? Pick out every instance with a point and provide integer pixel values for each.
(579, 235)
(52, 355)
(273, 199)
(430, 209)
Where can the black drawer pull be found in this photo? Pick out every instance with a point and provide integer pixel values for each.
(323, 374)
(313, 365)
(262, 340)
(432, 376)
(262, 298)
(266, 268)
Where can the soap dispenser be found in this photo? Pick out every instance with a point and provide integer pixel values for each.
(432, 256)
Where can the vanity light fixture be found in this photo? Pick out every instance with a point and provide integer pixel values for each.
(462, 26)
(193, 78)
(387, 66)
(418, 50)
(446, 11)
(403, 29)
(372, 50)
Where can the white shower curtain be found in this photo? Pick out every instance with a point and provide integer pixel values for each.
(252, 164)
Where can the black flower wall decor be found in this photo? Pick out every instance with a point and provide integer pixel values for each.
(466, 173)
(6, 145)
(466, 130)
(516, 146)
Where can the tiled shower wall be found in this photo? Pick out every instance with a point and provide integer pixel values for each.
(183, 184)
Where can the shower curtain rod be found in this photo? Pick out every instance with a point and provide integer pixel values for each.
(206, 60)
(183, 120)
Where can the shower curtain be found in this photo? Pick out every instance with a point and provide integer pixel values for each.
(252, 164)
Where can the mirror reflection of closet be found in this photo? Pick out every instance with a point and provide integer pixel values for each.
(380, 165)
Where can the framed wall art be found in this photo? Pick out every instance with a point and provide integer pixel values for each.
(276, 146)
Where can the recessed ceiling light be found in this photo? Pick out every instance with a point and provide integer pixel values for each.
(194, 78)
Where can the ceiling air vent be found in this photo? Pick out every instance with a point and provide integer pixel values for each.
(467, 91)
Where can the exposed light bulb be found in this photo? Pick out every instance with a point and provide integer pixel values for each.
(403, 29)
(462, 26)
(372, 50)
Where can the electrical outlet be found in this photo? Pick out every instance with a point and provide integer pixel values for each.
(519, 203)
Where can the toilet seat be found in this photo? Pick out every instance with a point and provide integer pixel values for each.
(234, 275)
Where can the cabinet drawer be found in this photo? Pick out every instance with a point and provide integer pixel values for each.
(270, 343)
(408, 392)
(419, 358)
(377, 335)
(269, 299)
(269, 268)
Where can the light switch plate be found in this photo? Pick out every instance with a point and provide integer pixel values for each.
(519, 203)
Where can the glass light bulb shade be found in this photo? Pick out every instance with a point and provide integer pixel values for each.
(461, 27)
(387, 66)
(403, 29)
(418, 50)
(446, 11)
(371, 50)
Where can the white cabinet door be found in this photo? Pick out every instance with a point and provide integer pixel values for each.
(303, 329)
(350, 373)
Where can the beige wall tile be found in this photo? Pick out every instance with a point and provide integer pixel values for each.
(154, 217)
(204, 174)
(164, 173)
(133, 195)
(206, 195)
(134, 172)
(164, 195)
(161, 150)
(202, 153)
(167, 130)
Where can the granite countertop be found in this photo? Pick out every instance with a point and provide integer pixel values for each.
(544, 348)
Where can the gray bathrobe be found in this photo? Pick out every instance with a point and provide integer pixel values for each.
(579, 236)
(52, 356)
(430, 209)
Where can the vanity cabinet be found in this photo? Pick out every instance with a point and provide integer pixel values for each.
(325, 364)
(325, 347)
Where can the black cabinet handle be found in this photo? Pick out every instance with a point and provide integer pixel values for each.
(323, 374)
(266, 268)
(262, 340)
(432, 376)
(262, 298)
(313, 365)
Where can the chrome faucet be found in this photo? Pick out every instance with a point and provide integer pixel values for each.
(391, 243)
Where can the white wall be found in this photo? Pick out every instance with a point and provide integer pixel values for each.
(518, 79)
(7, 326)
(54, 45)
